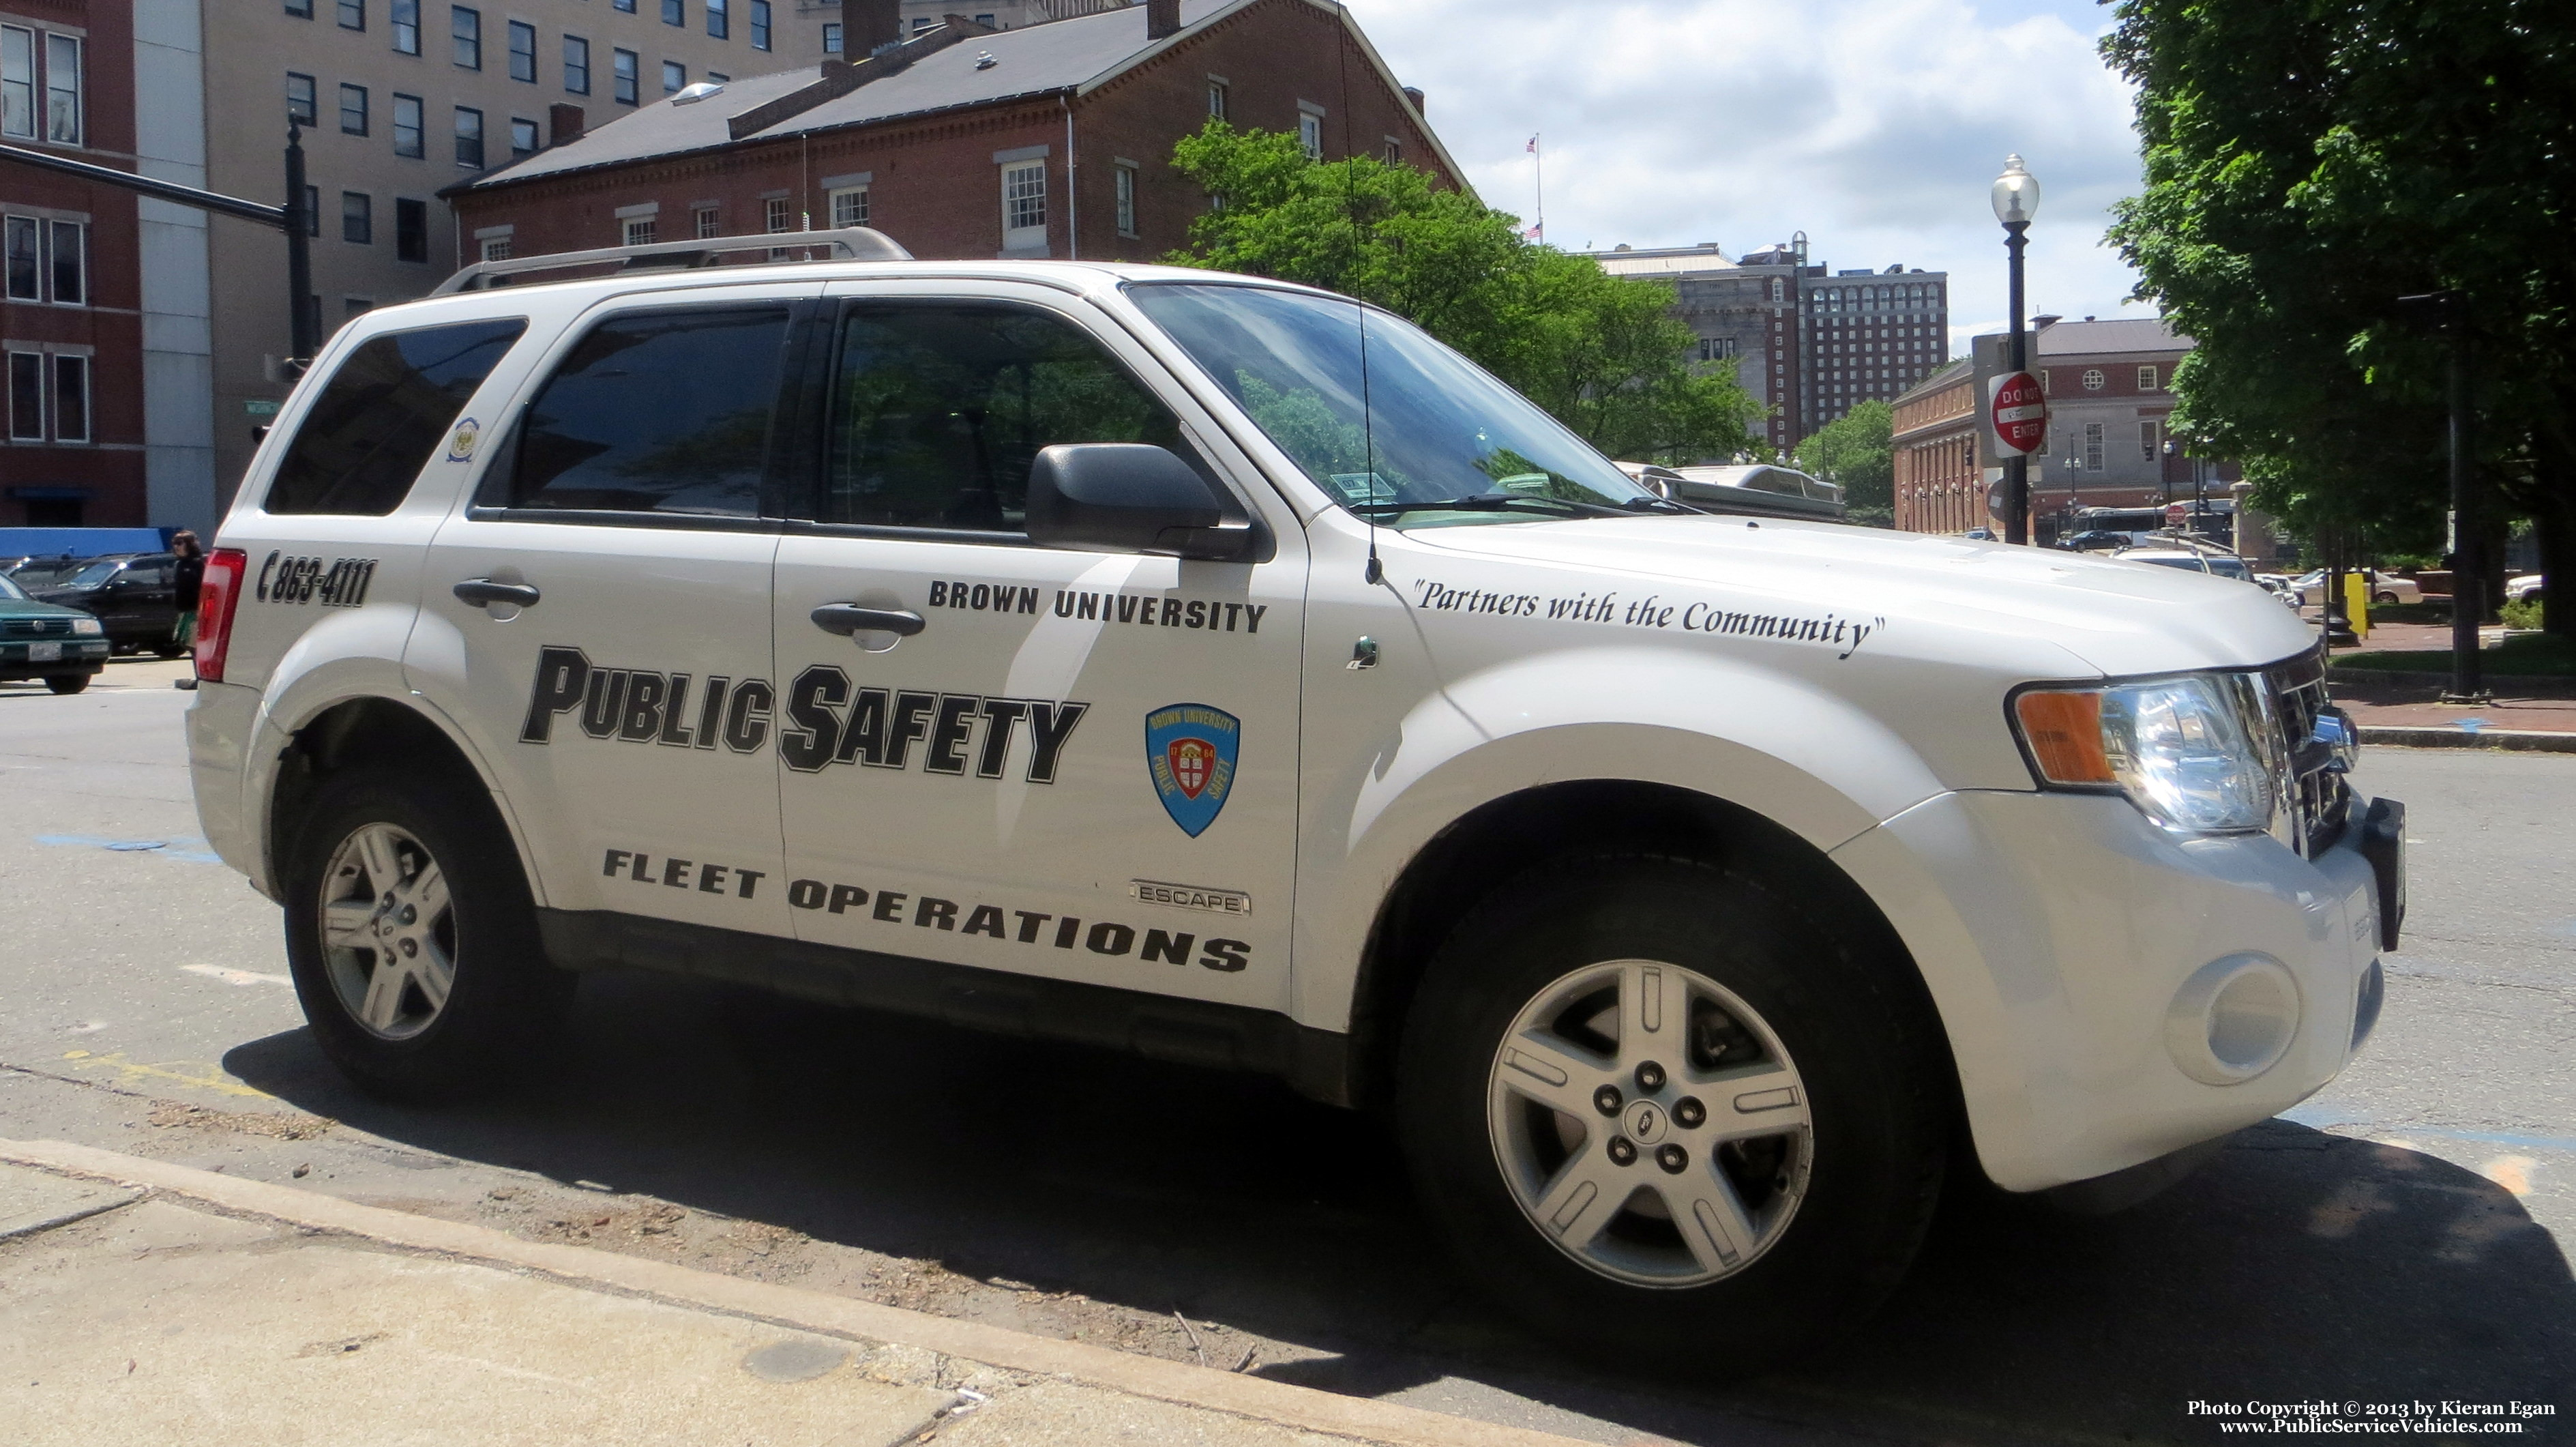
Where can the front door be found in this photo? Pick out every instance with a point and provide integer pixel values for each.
(611, 649)
(1081, 765)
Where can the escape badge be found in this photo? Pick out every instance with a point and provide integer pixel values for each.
(1190, 749)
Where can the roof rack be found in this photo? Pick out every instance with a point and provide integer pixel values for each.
(851, 243)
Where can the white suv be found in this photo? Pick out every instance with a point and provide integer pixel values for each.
(1062, 649)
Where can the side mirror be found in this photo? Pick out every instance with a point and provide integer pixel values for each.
(1125, 497)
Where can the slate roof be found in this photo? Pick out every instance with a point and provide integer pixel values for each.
(1059, 57)
(2127, 334)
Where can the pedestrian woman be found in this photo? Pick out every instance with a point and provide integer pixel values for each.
(185, 579)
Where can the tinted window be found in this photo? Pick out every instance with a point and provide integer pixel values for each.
(938, 409)
(386, 410)
(662, 412)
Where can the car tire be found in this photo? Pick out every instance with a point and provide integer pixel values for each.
(67, 683)
(180, 651)
(1812, 1227)
(2385, 600)
(420, 987)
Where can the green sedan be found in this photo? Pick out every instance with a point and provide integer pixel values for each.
(62, 646)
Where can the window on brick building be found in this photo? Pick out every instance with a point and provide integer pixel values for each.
(300, 9)
(719, 19)
(831, 38)
(2146, 379)
(849, 205)
(17, 81)
(353, 14)
(627, 74)
(405, 20)
(760, 24)
(357, 218)
(1310, 130)
(408, 125)
(71, 398)
(63, 91)
(576, 65)
(2147, 440)
(774, 214)
(1024, 208)
(523, 51)
(67, 262)
(1216, 98)
(638, 231)
(2093, 447)
(523, 137)
(675, 77)
(411, 229)
(2093, 379)
(26, 397)
(353, 110)
(495, 248)
(301, 102)
(675, 12)
(1126, 183)
(709, 222)
(21, 247)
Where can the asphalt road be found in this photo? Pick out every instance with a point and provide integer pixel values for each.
(2399, 1238)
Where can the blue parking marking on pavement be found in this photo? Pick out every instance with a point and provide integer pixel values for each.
(2319, 1117)
(158, 848)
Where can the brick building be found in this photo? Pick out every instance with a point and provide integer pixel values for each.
(1940, 477)
(1811, 344)
(1054, 140)
(72, 425)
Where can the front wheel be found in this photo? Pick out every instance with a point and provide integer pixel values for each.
(413, 939)
(1668, 1115)
(2385, 600)
(67, 683)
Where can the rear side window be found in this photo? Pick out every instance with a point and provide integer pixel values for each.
(653, 412)
(386, 411)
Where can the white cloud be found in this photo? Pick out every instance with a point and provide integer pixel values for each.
(1875, 126)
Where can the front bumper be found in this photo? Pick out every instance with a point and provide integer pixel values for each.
(2056, 931)
(53, 658)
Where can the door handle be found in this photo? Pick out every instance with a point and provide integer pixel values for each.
(848, 618)
(483, 593)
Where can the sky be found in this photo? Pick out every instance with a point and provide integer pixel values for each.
(1875, 126)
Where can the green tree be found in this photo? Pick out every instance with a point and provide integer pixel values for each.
(1857, 451)
(2308, 162)
(1600, 353)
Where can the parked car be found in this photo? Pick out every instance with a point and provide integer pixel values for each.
(31, 573)
(2097, 541)
(1694, 893)
(62, 646)
(1758, 489)
(2523, 588)
(2386, 589)
(132, 595)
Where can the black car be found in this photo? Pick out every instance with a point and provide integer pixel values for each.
(132, 594)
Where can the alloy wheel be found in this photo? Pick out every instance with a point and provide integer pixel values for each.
(1649, 1123)
(388, 931)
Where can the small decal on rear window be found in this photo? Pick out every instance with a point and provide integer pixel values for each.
(460, 443)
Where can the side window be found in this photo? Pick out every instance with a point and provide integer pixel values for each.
(653, 412)
(385, 412)
(938, 410)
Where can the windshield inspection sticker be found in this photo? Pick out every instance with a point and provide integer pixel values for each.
(1190, 748)
(1830, 630)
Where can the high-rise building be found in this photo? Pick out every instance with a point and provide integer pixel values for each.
(397, 99)
(1808, 343)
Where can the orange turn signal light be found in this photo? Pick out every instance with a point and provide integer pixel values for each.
(2064, 731)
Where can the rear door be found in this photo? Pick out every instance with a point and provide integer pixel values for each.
(598, 617)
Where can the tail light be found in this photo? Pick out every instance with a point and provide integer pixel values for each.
(217, 597)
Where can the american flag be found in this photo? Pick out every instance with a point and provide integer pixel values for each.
(1535, 233)
(1532, 147)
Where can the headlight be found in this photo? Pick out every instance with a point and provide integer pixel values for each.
(2185, 750)
(87, 626)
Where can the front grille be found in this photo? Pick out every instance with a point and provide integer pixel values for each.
(2319, 801)
(40, 626)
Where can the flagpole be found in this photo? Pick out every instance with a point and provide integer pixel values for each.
(1538, 158)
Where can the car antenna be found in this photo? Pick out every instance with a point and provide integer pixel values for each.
(1375, 572)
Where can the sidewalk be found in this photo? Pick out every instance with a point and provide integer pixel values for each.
(2403, 709)
(142, 1301)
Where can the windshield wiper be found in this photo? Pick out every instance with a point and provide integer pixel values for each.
(1493, 502)
(1656, 504)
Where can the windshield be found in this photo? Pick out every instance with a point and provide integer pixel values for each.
(91, 576)
(1437, 428)
(2232, 568)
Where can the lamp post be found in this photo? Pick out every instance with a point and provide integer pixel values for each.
(2016, 201)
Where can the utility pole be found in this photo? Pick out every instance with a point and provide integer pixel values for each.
(2446, 314)
(302, 324)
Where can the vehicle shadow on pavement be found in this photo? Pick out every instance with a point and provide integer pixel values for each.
(2298, 1266)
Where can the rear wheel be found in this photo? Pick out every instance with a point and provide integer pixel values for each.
(1669, 1117)
(413, 939)
(68, 683)
(2385, 600)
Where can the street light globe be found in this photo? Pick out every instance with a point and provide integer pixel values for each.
(2016, 194)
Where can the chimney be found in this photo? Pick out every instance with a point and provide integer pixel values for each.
(1413, 93)
(867, 24)
(563, 124)
(1162, 17)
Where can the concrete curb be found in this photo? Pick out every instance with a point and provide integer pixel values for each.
(2451, 736)
(1189, 1386)
(2551, 686)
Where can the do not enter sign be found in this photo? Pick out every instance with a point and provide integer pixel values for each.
(2018, 411)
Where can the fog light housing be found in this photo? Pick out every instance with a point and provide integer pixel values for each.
(2233, 1019)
